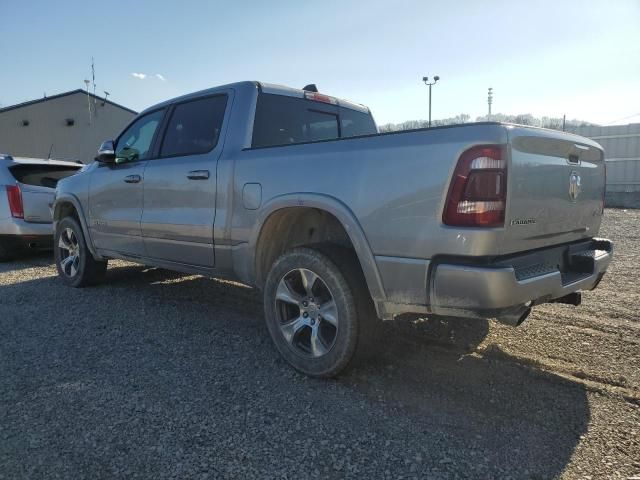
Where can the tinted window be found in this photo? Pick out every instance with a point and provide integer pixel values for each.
(320, 125)
(194, 127)
(282, 120)
(135, 142)
(354, 123)
(42, 175)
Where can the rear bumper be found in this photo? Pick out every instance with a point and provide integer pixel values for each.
(518, 282)
(16, 234)
(24, 242)
(18, 227)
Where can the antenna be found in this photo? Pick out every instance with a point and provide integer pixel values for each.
(106, 94)
(93, 76)
(87, 82)
(93, 79)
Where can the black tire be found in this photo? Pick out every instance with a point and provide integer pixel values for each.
(82, 271)
(339, 271)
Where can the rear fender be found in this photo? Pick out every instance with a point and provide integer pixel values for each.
(340, 211)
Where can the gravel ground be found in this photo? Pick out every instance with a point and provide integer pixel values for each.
(163, 375)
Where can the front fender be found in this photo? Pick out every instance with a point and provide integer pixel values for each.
(344, 215)
(68, 198)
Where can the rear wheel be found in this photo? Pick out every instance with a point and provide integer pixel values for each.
(317, 313)
(76, 266)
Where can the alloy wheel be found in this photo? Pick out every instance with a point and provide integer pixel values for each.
(69, 252)
(307, 312)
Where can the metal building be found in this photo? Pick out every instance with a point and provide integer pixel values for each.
(621, 145)
(68, 126)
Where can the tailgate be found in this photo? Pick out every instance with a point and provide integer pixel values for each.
(555, 189)
(36, 203)
(37, 182)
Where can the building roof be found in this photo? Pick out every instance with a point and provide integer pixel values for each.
(60, 95)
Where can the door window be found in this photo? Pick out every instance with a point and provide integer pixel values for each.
(136, 141)
(194, 127)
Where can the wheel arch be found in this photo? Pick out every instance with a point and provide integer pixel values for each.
(333, 210)
(68, 205)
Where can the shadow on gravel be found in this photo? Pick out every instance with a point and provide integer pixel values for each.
(488, 408)
(160, 374)
(27, 259)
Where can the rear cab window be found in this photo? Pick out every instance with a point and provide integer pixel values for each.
(284, 120)
(354, 123)
(42, 175)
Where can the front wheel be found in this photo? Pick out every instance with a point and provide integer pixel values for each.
(76, 266)
(315, 311)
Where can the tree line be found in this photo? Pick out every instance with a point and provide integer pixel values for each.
(522, 119)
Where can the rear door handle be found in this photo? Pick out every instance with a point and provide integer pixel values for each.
(133, 178)
(198, 175)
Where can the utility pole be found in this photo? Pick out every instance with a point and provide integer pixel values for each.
(490, 101)
(426, 82)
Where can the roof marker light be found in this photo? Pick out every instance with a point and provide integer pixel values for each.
(319, 97)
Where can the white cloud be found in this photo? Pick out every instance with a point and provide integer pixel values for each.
(159, 76)
(140, 76)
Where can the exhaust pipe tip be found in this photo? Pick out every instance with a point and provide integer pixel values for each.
(516, 317)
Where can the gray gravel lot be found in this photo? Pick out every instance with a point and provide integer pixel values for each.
(163, 375)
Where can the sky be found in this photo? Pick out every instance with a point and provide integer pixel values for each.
(547, 58)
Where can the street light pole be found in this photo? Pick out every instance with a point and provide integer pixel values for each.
(490, 101)
(430, 84)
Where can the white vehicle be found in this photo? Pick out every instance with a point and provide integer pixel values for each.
(27, 188)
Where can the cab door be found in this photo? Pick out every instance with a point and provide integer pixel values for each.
(180, 185)
(116, 190)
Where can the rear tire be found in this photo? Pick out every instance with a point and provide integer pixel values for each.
(319, 314)
(75, 263)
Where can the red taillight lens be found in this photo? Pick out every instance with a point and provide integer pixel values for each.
(478, 191)
(604, 189)
(14, 195)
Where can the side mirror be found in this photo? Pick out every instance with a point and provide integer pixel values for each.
(106, 152)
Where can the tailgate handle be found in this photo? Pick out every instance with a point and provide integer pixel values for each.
(132, 179)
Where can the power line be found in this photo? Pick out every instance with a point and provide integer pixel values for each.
(623, 118)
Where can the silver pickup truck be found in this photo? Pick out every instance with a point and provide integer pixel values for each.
(295, 192)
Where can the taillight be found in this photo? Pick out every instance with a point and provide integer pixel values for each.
(14, 195)
(478, 191)
(604, 189)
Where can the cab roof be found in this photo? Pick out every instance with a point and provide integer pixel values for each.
(262, 87)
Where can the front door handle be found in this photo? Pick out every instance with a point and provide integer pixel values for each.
(198, 175)
(133, 178)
